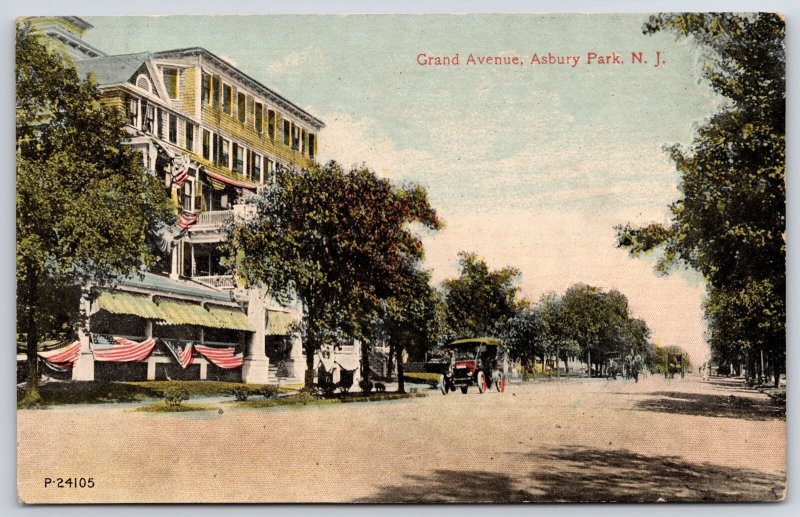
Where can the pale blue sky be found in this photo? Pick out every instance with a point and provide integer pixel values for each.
(529, 166)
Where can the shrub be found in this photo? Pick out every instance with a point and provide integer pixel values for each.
(174, 397)
(268, 391)
(240, 393)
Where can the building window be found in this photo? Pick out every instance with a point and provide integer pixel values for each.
(227, 93)
(133, 112)
(296, 138)
(206, 144)
(259, 117)
(304, 141)
(287, 132)
(160, 123)
(189, 141)
(225, 153)
(269, 171)
(173, 128)
(238, 158)
(271, 123)
(312, 145)
(215, 90)
(149, 116)
(205, 89)
(255, 168)
(186, 196)
(241, 107)
(171, 82)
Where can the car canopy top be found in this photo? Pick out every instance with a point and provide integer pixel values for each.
(487, 341)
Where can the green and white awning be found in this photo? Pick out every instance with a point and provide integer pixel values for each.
(230, 318)
(133, 304)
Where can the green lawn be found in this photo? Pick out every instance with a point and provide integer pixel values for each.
(96, 392)
(302, 399)
(163, 407)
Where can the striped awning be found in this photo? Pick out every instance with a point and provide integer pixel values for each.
(230, 318)
(278, 323)
(125, 303)
(178, 312)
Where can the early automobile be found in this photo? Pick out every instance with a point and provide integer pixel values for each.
(481, 362)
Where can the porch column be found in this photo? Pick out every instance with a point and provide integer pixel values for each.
(151, 361)
(298, 367)
(256, 363)
(173, 273)
(83, 370)
(203, 370)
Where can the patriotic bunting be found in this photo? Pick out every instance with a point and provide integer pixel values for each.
(182, 355)
(186, 219)
(222, 357)
(125, 350)
(61, 359)
(180, 169)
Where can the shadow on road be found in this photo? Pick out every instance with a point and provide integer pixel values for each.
(580, 474)
(723, 406)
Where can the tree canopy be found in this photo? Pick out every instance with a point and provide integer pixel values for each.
(479, 297)
(85, 206)
(337, 241)
(729, 222)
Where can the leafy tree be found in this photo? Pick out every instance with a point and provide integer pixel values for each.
(729, 222)
(337, 241)
(601, 324)
(524, 334)
(480, 298)
(85, 207)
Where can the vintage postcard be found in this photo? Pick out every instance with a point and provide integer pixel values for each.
(401, 258)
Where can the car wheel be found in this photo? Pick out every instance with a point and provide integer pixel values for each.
(464, 389)
(500, 383)
(481, 382)
(443, 385)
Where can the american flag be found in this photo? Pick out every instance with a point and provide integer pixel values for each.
(222, 357)
(125, 350)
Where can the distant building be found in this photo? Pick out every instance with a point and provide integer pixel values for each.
(216, 136)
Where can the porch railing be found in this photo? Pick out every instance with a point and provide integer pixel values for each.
(216, 281)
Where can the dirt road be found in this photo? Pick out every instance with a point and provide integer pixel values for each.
(674, 440)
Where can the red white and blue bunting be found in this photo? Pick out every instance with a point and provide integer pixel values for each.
(125, 350)
(61, 359)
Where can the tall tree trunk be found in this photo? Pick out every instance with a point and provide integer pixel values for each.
(32, 395)
(589, 361)
(364, 361)
(309, 377)
(401, 386)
